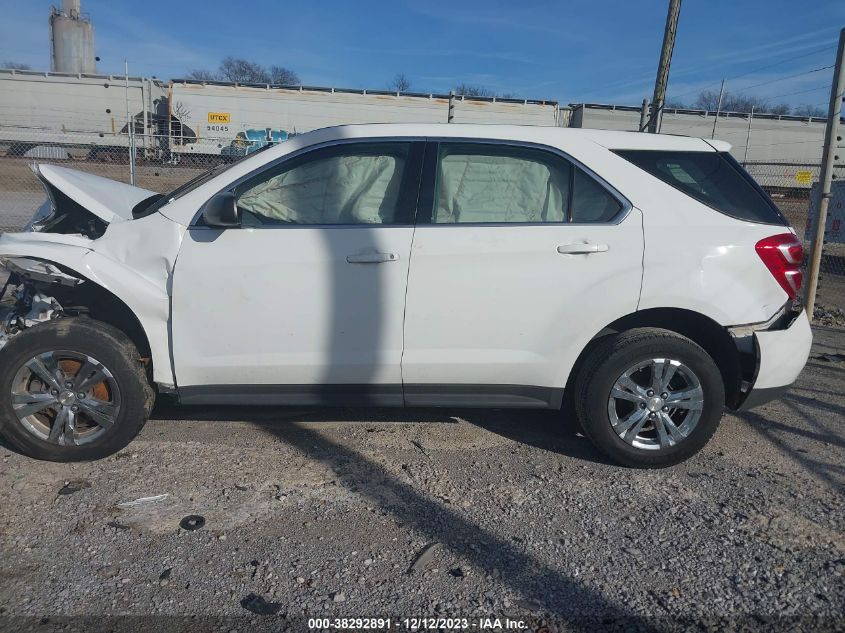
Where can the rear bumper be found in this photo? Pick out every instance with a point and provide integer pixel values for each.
(781, 355)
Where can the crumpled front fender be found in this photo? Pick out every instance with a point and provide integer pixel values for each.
(122, 264)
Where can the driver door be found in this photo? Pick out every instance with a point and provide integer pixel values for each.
(303, 303)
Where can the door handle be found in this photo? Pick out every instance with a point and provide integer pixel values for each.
(372, 258)
(582, 248)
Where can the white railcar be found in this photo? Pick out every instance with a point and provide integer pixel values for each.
(772, 137)
(213, 115)
(83, 111)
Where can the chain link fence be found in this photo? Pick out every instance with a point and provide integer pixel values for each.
(162, 163)
(794, 188)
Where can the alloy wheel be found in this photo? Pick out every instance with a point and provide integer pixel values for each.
(65, 397)
(655, 404)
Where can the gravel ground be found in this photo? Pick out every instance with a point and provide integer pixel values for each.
(322, 513)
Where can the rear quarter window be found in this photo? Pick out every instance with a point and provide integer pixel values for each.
(713, 178)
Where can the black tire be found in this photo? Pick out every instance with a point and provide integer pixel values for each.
(615, 355)
(94, 339)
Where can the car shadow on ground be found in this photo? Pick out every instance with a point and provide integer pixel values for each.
(547, 430)
(830, 474)
(819, 419)
(542, 587)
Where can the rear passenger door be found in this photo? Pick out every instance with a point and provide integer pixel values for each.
(519, 257)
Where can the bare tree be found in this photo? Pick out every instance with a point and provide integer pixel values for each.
(707, 100)
(180, 110)
(809, 110)
(744, 103)
(469, 90)
(283, 76)
(400, 83)
(243, 71)
(202, 75)
(731, 102)
(238, 70)
(15, 66)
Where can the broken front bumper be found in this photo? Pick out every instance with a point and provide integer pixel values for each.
(781, 355)
(25, 305)
(7, 313)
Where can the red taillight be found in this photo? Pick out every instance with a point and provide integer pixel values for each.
(783, 256)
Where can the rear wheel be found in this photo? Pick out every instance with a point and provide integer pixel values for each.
(649, 397)
(72, 389)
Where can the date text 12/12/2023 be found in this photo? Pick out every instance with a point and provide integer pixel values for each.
(418, 624)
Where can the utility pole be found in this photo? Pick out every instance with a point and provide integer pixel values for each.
(718, 108)
(748, 136)
(832, 142)
(662, 80)
(451, 114)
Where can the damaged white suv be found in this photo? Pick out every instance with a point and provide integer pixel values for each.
(645, 279)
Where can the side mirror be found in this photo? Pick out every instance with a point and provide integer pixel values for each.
(222, 211)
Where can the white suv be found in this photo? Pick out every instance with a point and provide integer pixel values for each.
(647, 280)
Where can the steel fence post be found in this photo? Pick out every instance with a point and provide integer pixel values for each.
(130, 126)
(748, 134)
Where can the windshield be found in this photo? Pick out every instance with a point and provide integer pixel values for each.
(141, 211)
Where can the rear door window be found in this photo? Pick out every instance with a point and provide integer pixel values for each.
(492, 184)
(482, 183)
(592, 203)
(713, 178)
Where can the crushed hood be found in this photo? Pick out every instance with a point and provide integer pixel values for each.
(109, 200)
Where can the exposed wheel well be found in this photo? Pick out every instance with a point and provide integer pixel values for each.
(102, 305)
(92, 300)
(704, 331)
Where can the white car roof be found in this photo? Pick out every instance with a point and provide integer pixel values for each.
(610, 139)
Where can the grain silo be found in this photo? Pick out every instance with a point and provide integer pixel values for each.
(71, 39)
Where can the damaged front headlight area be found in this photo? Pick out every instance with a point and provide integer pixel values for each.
(62, 214)
(40, 217)
(31, 295)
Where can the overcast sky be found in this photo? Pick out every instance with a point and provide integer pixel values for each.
(590, 50)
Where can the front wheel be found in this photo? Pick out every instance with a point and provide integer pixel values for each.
(649, 397)
(72, 389)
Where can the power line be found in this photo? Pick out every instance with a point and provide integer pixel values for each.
(750, 72)
(798, 92)
(777, 63)
(771, 81)
(794, 57)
